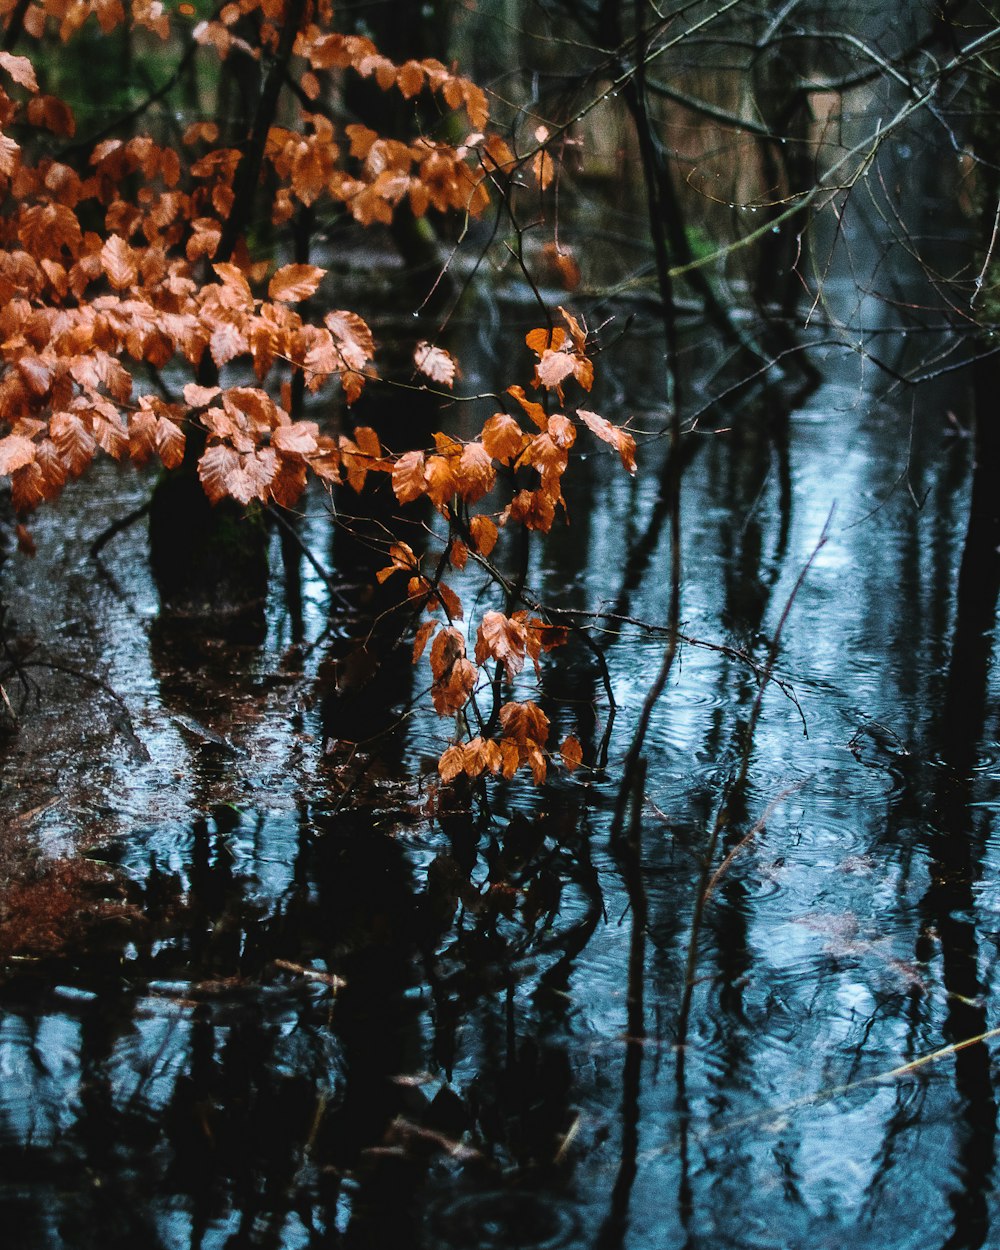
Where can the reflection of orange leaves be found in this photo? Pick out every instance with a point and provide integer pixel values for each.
(621, 440)
(435, 363)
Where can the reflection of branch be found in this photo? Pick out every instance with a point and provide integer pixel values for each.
(732, 794)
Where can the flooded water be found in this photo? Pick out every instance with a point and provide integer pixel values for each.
(326, 1011)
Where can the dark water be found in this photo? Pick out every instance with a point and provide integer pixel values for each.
(347, 1021)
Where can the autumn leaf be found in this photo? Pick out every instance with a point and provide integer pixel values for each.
(524, 722)
(454, 675)
(571, 753)
(74, 442)
(541, 165)
(120, 262)
(503, 438)
(452, 763)
(621, 440)
(475, 474)
(423, 636)
(484, 534)
(408, 476)
(293, 283)
(401, 559)
(435, 363)
(20, 69)
(504, 639)
(15, 452)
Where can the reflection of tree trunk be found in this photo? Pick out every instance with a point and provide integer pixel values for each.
(950, 902)
(978, 580)
(372, 665)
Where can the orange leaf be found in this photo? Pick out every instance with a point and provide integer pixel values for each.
(215, 468)
(476, 474)
(170, 440)
(20, 69)
(524, 722)
(435, 363)
(621, 440)
(504, 639)
(295, 282)
(75, 443)
(408, 476)
(484, 534)
(423, 634)
(15, 452)
(502, 437)
(571, 753)
(452, 763)
(534, 410)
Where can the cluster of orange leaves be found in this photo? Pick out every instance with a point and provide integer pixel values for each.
(110, 274)
(95, 280)
(459, 474)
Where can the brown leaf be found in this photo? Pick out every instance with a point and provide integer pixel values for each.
(199, 396)
(452, 763)
(15, 452)
(120, 262)
(215, 468)
(524, 722)
(169, 441)
(74, 441)
(299, 439)
(423, 635)
(227, 342)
